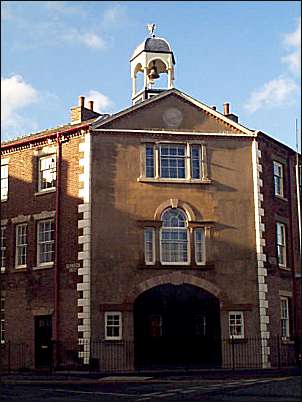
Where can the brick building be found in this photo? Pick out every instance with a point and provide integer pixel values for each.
(154, 235)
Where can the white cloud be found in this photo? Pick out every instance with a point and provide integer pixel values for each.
(294, 38)
(63, 7)
(273, 93)
(281, 91)
(16, 94)
(92, 40)
(102, 104)
(116, 15)
(293, 59)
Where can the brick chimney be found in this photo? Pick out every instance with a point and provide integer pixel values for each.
(226, 112)
(81, 113)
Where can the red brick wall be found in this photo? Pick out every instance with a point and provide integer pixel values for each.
(30, 292)
(284, 210)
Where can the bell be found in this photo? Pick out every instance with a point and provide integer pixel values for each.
(153, 74)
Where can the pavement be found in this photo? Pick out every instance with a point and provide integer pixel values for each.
(86, 377)
(248, 386)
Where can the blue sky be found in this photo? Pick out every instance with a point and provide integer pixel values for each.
(241, 52)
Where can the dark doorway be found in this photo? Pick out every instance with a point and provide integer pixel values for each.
(43, 345)
(177, 326)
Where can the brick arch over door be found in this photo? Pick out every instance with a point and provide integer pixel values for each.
(175, 278)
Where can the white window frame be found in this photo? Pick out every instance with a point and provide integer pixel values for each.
(183, 158)
(235, 324)
(188, 242)
(3, 247)
(281, 243)
(146, 242)
(2, 320)
(21, 246)
(4, 180)
(40, 173)
(278, 177)
(202, 244)
(151, 145)
(47, 263)
(284, 317)
(192, 146)
(188, 169)
(119, 326)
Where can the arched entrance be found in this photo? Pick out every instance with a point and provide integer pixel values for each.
(176, 325)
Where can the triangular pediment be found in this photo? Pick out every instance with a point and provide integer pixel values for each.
(172, 110)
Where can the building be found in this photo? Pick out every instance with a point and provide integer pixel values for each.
(165, 234)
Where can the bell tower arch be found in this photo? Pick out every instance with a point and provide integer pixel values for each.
(152, 58)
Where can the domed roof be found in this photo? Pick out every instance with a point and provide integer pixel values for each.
(153, 44)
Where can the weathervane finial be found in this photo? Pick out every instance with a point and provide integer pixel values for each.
(151, 29)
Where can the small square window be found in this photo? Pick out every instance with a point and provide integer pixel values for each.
(113, 325)
(236, 324)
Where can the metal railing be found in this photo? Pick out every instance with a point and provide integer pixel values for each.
(115, 356)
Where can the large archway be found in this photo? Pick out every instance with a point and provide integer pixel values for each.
(177, 325)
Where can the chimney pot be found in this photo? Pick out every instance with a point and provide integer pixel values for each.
(214, 107)
(81, 101)
(91, 105)
(226, 108)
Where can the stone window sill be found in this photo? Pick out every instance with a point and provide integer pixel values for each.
(44, 266)
(280, 197)
(51, 190)
(159, 266)
(284, 268)
(175, 181)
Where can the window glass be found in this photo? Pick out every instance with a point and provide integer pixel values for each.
(21, 245)
(47, 172)
(113, 329)
(199, 245)
(4, 181)
(278, 179)
(172, 161)
(149, 160)
(236, 324)
(174, 237)
(195, 162)
(45, 241)
(149, 245)
(284, 317)
(3, 247)
(281, 244)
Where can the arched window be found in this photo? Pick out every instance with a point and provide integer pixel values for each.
(174, 238)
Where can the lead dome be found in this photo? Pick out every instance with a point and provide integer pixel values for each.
(151, 58)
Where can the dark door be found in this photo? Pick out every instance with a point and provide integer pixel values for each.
(177, 325)
(43, 345)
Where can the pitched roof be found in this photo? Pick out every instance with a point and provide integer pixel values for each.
(182, 95)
